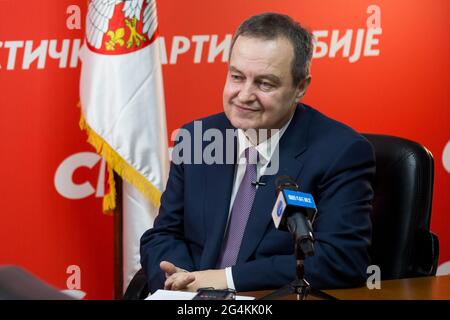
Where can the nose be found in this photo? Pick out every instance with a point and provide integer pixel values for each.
(246, 93)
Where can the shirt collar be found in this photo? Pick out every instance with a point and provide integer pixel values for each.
(265, 149)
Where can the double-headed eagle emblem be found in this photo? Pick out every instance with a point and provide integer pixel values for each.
(109, 28)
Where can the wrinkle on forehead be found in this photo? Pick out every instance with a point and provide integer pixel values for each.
(254, 56)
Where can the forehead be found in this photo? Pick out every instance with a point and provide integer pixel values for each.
(256, 55)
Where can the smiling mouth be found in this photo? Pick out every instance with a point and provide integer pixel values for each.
(243, 108)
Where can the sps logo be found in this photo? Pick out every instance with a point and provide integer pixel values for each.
(64, 176)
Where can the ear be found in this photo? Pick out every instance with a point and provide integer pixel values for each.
(302, 87)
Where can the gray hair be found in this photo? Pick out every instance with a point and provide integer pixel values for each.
(270, 26)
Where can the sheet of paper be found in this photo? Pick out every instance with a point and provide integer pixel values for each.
(171, 295)
(182, 295)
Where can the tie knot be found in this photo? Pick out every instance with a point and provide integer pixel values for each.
(251, 155)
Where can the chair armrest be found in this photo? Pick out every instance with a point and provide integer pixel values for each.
(427, 254)
(137, 289)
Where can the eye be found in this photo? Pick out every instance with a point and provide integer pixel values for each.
(266, 86)
(236, 77)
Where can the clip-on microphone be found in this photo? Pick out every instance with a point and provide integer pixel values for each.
(258, 183)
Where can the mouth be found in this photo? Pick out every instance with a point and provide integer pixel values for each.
(244, 108)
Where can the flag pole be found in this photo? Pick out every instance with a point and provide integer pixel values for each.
(118, 243)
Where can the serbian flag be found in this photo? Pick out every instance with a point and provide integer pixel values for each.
(123, 112)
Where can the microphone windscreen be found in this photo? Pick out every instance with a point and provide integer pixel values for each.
(282, 182)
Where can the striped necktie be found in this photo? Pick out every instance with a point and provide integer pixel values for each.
(240, 213)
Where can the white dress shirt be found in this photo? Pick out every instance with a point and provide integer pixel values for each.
(265, 150)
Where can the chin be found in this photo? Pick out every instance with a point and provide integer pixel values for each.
(240, 123)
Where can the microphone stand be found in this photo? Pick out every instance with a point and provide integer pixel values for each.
(299, 286)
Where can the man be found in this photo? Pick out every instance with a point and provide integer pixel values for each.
(214, 227)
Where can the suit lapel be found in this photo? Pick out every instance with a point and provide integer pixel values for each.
(219, 186)
(292, 144)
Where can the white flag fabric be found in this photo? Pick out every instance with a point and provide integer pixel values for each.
(123, 111)
(139, 215)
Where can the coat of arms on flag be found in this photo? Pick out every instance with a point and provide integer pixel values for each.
(120, 26)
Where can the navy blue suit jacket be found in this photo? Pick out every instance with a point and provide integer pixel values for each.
(325, 157)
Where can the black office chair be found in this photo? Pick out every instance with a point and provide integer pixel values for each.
(137, 289)
(402, 244)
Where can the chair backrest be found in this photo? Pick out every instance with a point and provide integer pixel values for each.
(402, 244)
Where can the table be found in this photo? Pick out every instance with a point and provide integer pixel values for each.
(425, 288)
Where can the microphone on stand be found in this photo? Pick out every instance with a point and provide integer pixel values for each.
(294, 211)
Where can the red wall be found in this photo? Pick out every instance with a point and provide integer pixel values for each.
(402, 90)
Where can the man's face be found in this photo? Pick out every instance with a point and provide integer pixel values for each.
(259, 92)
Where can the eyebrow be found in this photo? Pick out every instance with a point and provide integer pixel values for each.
(233, 69)
(268, 76)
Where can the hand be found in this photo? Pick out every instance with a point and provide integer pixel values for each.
(176, 278)
(180, 279)
(213, 278)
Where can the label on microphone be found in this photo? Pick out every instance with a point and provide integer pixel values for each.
(299, 199)
(278, 210)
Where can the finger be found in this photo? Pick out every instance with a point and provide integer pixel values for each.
(168, 267)
(192, 287)
(168, 283)
(182, 281)
(178, 281)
